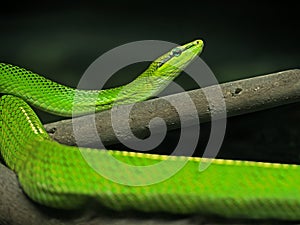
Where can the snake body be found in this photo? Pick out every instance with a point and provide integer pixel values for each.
(58, 176)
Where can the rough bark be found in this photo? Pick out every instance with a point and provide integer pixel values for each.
(240, 97)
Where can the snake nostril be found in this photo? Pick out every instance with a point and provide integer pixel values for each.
(198, 42)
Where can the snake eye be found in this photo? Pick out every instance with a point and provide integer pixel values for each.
(176, 51)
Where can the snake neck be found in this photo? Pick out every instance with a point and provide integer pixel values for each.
(58, 99)
(61, 100)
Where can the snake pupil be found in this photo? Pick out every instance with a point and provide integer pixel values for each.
(176, 51)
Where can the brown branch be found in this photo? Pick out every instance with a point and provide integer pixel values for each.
(242, 96)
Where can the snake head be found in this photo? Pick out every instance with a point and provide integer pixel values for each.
(173, 62)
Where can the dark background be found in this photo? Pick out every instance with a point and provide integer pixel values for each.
(242, 39)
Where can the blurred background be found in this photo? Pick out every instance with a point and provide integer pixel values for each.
(242, 39)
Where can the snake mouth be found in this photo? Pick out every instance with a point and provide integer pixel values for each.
(198, 42)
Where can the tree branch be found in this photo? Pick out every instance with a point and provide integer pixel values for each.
(242, 96)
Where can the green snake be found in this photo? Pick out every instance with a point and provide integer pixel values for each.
(58, 176)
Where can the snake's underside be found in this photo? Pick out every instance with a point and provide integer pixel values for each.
(58, 176)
